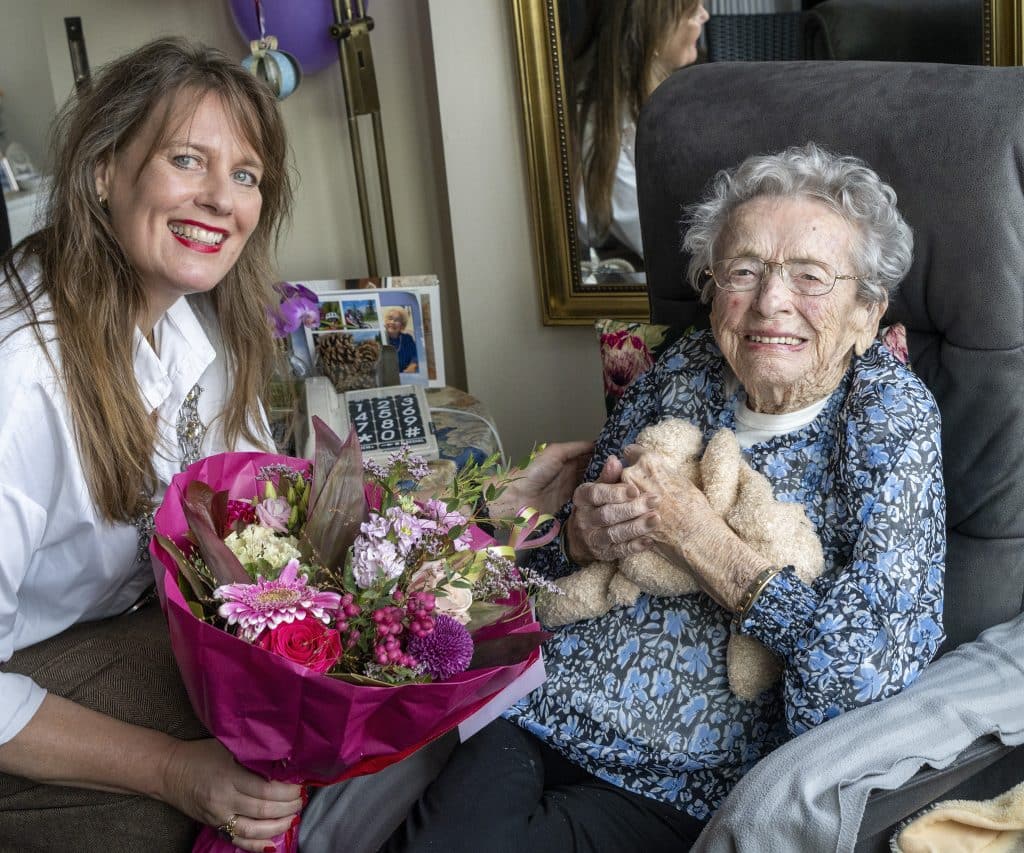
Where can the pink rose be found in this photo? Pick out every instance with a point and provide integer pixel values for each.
(274, 513)
(625, 357)
(307, 642)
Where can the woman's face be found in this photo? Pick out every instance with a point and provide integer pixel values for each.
(790, 350)
(394, 324)
(680, 48)
(183, 215)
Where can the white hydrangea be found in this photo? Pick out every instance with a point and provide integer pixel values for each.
(256, 542)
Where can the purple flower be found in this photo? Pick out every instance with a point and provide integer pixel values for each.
(445, 651)
(299, 307)
(373, 559)
(255, 607)
(274, 513)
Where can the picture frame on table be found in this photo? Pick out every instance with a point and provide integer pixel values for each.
(351, 306)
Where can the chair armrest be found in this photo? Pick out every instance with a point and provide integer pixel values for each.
(885, 809)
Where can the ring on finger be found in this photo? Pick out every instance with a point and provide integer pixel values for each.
(227, 829)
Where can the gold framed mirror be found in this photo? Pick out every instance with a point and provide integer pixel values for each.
(565, 298)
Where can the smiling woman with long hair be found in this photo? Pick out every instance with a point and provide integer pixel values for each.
(135, 339)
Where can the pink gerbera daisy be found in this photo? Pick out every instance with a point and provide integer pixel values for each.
(254, 607)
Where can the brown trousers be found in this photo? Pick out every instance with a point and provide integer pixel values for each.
(123, 667)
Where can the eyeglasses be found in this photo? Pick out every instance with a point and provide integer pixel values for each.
(808, 278)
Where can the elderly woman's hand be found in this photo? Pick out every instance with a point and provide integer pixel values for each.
(610, 519)
(687, 530)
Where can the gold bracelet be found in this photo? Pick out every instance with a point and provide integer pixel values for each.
(757, 586)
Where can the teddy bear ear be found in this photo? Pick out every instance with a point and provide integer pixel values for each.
(720, 470)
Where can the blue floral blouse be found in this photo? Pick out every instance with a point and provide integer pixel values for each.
(639, 697)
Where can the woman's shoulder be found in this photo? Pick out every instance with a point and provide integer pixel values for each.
(22, 336)
(887, 394)
(695, 351)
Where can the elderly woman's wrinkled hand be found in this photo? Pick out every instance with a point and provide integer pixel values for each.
(689, 532)
(610, 519)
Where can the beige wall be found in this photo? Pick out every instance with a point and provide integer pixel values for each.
(451, 115)
(541, 383)
(25, 79)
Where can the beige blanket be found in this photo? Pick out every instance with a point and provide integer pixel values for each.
(967, 826)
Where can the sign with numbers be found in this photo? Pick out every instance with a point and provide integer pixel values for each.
(388, 418)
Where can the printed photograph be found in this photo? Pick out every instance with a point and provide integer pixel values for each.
(360, 313)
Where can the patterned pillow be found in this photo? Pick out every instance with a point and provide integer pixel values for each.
(628, 349)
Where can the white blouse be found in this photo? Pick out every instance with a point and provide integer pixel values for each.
(60, 562)
(625, 221)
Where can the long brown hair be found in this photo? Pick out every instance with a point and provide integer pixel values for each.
(612, 79)
(95, 295)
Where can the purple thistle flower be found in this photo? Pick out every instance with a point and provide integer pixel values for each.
(445, 651)
(255, 607)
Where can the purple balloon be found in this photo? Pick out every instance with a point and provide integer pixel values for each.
(303, 29)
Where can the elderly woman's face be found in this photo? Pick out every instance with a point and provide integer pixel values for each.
(394, 323)
(184, 214)
(789, 350)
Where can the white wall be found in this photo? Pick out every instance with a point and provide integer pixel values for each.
(25, 79)
(452, 122)
(541, 383)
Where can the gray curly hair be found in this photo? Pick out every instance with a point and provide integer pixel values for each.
(845, 184)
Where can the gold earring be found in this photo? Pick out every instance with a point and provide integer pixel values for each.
(103, 201)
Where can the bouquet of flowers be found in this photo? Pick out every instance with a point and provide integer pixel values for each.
(325, 622)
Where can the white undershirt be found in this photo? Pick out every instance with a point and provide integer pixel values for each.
(60, 561)
(754, 427)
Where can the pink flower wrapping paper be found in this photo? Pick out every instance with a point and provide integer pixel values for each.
(279, 719)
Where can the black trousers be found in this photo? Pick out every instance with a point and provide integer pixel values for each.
(504, 790)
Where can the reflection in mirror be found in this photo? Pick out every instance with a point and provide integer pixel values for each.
(615, 53)
(589, 269)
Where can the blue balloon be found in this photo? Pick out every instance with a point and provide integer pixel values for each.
(303, 29)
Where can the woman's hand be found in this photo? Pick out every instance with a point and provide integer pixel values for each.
(547, 482)
(203, 780)
(689, 532)
(610, 518)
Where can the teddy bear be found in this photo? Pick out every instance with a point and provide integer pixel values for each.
(777, 530)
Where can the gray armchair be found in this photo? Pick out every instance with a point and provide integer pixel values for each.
(950, 139)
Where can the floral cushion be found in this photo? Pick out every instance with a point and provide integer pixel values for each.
(629, 349)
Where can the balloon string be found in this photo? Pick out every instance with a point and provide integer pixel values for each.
(262, 22)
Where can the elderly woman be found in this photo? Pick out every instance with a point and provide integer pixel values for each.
(396, 319)
(635, 737)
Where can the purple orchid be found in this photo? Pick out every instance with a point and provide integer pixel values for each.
(299, 307)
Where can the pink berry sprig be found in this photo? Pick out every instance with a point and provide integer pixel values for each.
(387, 650)
(348, 610)
(420, 608)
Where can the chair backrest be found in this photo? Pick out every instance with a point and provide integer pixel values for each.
(950, 140)
(759, 37)
(895, 30)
